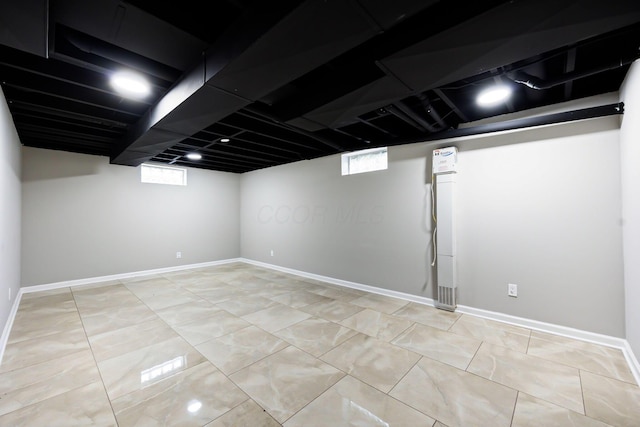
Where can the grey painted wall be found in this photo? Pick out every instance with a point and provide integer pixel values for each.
(545, 214)
(540, 208)
(630, 171)
(10, 211)
(83, 217)
(370, 228)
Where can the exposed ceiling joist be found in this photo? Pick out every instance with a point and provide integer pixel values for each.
(295, 79)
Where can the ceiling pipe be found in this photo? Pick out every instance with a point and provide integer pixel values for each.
(539, 84)
(527, 122)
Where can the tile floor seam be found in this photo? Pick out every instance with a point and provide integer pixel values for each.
(312, 400)
(254, 362)
(473, 357)
(405, 374)
(584, 403)
(454, 323)
(351, 375)
(515, 405)
(528, 342)
(51, 397)
(236, 406)
(401, 332)
(95, 361)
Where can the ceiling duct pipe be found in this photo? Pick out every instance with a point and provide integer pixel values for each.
(539, 84)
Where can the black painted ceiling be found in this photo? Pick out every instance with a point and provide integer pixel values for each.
(292, 80)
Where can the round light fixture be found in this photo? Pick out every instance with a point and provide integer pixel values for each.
(225, 140)
(194, 156)
(493, 96)
(130, 85)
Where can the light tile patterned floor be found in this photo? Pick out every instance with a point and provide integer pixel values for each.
(238, 345)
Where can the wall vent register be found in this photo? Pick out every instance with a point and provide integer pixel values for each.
(444, 167)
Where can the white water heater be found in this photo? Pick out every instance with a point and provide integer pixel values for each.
(445, 169)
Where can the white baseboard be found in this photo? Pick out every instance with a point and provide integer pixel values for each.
(550, 328)
(578, 334)
(345, 283)
(632, 361)
(4, 339)
(92, 280)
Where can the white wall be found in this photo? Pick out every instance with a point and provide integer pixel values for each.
(543, 213)
(10, 208)
(83, 217)
(630, 171)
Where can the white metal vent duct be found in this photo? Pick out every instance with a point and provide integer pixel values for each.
(445, 169)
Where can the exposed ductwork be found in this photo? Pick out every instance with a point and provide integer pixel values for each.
(118, 55)
(264, 51)
(295, 79)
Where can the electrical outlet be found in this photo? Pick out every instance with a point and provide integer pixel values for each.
(9, 294)
(271, 252)
(512, 290)
(178, 254)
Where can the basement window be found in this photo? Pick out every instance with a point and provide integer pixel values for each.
(361, 161)
(156, 174)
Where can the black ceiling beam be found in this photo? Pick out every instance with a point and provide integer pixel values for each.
(549, 119)
(406, 109)
(269, 122)
(116, 131)
(238, 147)
(272, 45)
(193, 103)
(28, 106)
(81, 81)
(268, 147)
(376, 127)
(223, 156)
(476, 45)
(241, 137)
(92, 46)
(276, 121)
(397, 112)
(51, 94)
(451, 105)
(540, 84)
(57, 133)
(570, 66)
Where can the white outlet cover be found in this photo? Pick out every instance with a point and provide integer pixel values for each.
(512, 290)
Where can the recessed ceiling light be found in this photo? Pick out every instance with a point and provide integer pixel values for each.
(493, 96)
(225, 140)
(130, 85)
(194, 156)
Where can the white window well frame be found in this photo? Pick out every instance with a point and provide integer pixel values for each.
(160, 174)
(373, 159)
